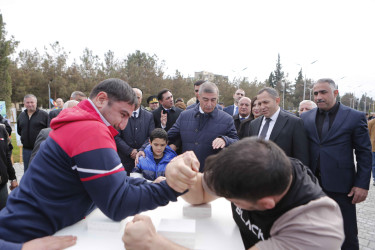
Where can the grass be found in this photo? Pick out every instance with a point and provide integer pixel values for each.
(16, 154)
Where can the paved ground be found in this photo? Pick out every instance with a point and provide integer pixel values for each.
(365, 213)
(366, 221)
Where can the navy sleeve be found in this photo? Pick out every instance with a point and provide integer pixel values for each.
(5, 245)
(117, 195)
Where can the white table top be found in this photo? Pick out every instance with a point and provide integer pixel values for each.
(216, 232)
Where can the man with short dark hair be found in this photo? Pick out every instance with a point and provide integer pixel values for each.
(29, 124)
(136, 134)
(77, 169)
(166, 115)
(233, 109)
(203, 129)
(276, 201)
(334, 131)
(279, 126)
(197, 85)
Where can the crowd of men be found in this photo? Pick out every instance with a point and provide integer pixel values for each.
(272, 165)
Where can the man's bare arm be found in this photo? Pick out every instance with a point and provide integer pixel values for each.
(197, 194)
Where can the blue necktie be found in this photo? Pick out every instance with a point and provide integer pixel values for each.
(242, 118)
(235, 110)
(263, 134)
(135, 114)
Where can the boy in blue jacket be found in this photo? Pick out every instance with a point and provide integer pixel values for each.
(158, 155)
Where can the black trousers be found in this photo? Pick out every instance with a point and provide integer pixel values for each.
(349, 215)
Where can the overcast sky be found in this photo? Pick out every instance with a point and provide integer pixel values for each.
(222, 37)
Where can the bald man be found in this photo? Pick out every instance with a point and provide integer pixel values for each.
(136, 134)
(244, 110)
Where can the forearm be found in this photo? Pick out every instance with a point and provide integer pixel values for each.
(161, 243)
(197, 195)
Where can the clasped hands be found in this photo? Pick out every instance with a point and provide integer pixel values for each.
(181, 172)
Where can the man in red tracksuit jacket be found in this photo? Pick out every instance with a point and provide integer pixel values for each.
(77, 169)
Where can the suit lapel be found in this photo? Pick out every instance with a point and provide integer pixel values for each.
(310, 125)
(340, 118)
(258, 123)
(279, 125)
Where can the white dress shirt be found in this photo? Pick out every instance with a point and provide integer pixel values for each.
(272, 123)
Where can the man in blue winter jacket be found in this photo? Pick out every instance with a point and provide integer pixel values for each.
(158, 155)
(203, 129)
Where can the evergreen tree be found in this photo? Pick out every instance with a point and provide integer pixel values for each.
(298, 89)
(271, 81)
(6, 49)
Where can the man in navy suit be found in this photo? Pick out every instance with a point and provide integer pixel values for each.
(233, 109)
(280, 126)
(334, 130)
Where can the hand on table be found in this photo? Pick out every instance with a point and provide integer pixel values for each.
(139, 233)
(50, 243)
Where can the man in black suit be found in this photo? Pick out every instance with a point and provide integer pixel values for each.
(279, 126)
(334, 131)
(136, 134)
(166, 115)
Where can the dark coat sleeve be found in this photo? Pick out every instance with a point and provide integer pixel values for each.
(300, 143)
(362, 147)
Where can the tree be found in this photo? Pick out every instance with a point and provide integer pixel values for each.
(276, 78)
(271, 81)
(6, 49)
(143, 71)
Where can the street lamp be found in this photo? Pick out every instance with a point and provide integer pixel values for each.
(310, 92)
(304, 82)
(49, 94)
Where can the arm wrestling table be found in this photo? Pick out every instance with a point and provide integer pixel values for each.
(216, 232)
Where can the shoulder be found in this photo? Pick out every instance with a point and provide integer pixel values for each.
(224, 115)
(289, 115)
(146, 114)
(42, 112)
(228, 107)
(82, 136)
(157, 111)
(257, 120)
(177, 110)
(22, 115)
(188, 113)
(319, 220)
